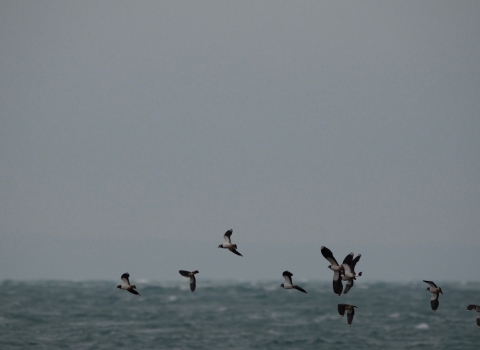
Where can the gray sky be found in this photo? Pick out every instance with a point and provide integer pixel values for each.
(134, 134)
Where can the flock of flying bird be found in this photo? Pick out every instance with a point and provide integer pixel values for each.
(344, 272)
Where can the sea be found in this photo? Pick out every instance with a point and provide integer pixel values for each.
(234, 315)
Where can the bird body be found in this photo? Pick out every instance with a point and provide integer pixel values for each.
(228, 245)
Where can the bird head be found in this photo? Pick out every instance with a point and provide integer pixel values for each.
(440, 290)
(329, 267)
(119, 286)
(282, 285)
(220, 246)
(429, 289)
(194, 272)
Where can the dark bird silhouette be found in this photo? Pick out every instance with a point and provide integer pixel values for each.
(435, 293)
(350, 312)
(126, 284)
(190, 275)
(336, 268)
(228, 243)
(288, 282)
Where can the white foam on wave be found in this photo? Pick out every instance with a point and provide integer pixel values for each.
(269, 288)
(422, 326)
(172, 298)
(184, 287)
(325, 318)
(394, 315)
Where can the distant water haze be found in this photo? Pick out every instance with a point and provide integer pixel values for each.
(153, 259)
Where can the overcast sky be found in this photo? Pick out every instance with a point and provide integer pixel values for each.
(134, 134)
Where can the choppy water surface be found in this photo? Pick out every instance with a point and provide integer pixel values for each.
(96, 315)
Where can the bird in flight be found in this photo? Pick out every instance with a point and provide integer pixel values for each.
(337, 270)
(350, 311)
(288, 282)
(476, 308)
(126, 284)
(228, 243)
(435, 293)
(349, 274)
(187, 274)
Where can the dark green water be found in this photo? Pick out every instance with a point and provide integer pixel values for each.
(96, 315)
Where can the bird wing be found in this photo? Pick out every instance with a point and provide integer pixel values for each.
(434, 303)
(125, 278)
(336, 276)
(193, 283)
(350, 316)
(355, 261)
(234, 251)
(300, 289)
(471, 307)
(288, 276)
(227, 235)
(341, 309)
(327, 254)
(431, 284)
(348, 286)
(347, 264)
(337, 286)
(133, 291)
(348, 259)
(184, 273)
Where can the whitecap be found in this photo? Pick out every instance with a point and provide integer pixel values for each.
(184, 287)
(394, 315)
(326, 317)
(269, 288)
(422, 326)
(172, 298)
